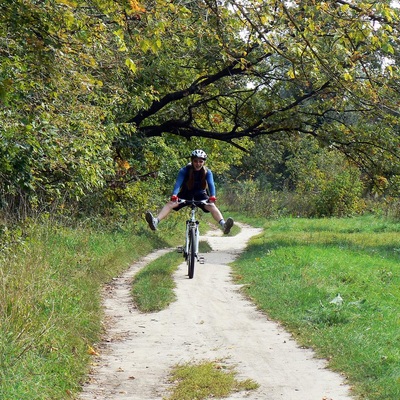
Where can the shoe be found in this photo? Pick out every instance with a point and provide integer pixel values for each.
(228, 225)
(153, 222)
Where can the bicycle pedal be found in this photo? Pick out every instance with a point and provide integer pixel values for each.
(201, 260)
(179, 249)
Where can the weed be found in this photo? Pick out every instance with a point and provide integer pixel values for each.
(205, 380)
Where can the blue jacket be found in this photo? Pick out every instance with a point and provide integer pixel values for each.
(183, 191)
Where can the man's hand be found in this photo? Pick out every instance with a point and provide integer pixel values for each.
(174, 198)
(212, 199)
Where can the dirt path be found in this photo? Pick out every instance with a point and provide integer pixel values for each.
(210, 320)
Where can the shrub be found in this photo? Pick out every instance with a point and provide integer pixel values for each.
(247, 197)
(341, 196)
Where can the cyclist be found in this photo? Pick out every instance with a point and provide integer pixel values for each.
(192, 182)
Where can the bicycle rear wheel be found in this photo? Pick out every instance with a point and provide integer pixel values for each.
(191, 256)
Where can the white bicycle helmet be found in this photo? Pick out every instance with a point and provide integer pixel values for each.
(198, 154)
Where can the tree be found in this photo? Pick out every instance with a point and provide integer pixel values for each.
(54, 143)
(88, 86)
(325, 69)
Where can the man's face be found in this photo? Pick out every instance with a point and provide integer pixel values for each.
(197, 163)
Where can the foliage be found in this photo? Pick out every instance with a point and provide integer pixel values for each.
(330, 183)
(341, 196)
(54, 141)
(93, 93)
(331, 76)
(297, 179)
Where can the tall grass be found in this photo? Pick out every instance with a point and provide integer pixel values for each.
(296, 270)
(50, 302)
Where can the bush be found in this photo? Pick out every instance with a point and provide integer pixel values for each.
(341, 196)
(247, 197)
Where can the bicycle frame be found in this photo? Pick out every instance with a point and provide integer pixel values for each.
(192, 234)
(192, 224)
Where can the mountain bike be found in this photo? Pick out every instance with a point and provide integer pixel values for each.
(192, 233)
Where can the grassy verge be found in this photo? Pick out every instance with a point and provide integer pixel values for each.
(296, 270)
(50, 302)
(152, 287)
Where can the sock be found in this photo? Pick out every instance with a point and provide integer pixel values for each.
(222, 222)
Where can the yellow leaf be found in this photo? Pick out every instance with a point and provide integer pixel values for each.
(123, 164)
(144, 45)
(347, 77)
(291, 73)
(92, 351)
(136, 6)
(68, 3)
(344, 7)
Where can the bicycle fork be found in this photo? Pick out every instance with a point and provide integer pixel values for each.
(185, 250)
(189, 226)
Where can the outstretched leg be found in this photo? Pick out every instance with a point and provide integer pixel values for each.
(225, 225)
(154, 221)
(167, 209)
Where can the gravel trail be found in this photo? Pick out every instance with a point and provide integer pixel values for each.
(210, 320)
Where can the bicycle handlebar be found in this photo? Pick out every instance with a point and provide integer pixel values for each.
(193, 202)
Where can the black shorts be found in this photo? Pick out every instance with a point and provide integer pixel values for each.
(198, 196)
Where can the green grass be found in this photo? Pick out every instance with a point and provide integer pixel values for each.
(295, 269)
(50, 302)
(206, 380)
(152, 287)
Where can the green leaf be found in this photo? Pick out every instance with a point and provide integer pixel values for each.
(131, 65)
(388, 48)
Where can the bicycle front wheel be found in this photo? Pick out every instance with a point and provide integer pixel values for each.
(191, 256)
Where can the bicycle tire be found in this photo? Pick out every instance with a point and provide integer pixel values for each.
(191, 257)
